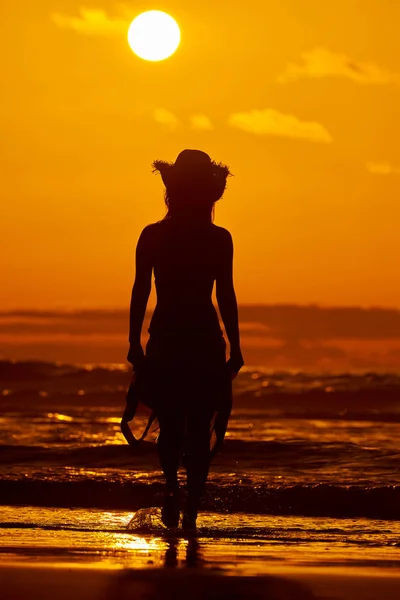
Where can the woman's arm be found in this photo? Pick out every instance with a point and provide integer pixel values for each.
(227, 303)
(140, 296)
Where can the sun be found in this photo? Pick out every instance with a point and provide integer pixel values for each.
(154, 35)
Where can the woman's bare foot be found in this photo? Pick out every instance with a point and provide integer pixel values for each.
(189, 520)
(170, 510)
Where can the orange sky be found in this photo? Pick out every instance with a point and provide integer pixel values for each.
(300, 98)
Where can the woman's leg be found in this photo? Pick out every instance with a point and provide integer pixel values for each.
(197, 455)
(170, 443)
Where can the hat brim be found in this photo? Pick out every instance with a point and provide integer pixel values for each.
(171, 172)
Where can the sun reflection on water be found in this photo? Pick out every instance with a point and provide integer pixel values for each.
(133, 542)
(234, 543)
(59, 417)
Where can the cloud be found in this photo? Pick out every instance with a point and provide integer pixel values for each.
(289, 323)
(321, 62)
(272, 122)
(201, 122)
(165, 117)
(382, 169)
(92, 21)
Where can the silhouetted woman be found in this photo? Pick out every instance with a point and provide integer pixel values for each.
(185, 372)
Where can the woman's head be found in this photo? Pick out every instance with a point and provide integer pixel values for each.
(193, 184)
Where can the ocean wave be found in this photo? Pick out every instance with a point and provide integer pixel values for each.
(251, 378)
(242, 463)
(362, 396)
(250, 453)
(380, 502)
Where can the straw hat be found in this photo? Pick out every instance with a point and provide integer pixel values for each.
(193, 168)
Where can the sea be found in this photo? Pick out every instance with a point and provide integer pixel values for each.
(308, 475)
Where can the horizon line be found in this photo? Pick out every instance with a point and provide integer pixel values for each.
(26, 311)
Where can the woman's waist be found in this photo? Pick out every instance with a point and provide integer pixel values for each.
(185, 320)
(185, 331)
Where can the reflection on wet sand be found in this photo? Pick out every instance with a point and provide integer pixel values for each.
(194, 557)
(172, 584)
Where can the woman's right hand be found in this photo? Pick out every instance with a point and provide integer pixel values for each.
(235, 363)
(136, 356)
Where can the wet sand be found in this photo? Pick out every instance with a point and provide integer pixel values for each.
(53, 581)
(57, 554)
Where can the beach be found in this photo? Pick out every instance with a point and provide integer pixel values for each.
(114, 554)
(302, 502)
(45, 582)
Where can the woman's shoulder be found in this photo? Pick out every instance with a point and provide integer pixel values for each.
(152, 229)
(222, 234)
(148, 237)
